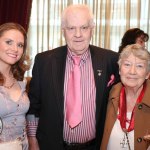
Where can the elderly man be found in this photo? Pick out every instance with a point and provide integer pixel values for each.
(69, 88)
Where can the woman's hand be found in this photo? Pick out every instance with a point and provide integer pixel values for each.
(147, 137)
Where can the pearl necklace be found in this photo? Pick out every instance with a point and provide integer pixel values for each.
(9, 87)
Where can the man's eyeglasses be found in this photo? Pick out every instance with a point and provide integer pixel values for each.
(82, 29)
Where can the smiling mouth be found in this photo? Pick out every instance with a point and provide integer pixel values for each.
(12, 55)
(131, 78)
(78, 41)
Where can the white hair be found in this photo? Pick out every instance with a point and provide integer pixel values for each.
(138, 51)
(77, 6)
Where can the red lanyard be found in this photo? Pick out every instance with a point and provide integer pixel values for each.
(123, 110)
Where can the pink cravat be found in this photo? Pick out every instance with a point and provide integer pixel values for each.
(73, 99)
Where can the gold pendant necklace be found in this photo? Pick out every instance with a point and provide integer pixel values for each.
(9, 87)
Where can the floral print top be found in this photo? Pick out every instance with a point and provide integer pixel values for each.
(12, 115)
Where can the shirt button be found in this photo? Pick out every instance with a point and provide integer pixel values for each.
(139, 139)
(140, 106)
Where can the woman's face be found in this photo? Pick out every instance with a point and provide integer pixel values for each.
(11, 47)
(140, 41)
(133, 71)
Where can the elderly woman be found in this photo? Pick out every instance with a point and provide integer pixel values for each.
(128, 114)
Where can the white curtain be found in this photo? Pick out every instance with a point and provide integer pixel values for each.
(112, 18)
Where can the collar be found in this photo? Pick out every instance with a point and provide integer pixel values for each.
(146, 97)
(84, 56)
(115, 94)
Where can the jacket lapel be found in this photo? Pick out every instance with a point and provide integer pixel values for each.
(98, 64)
(114, 96)
(58, 72)
(146, 100)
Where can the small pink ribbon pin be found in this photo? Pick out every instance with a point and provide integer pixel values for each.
(111, 81)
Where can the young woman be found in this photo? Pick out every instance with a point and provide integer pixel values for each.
(14, 102)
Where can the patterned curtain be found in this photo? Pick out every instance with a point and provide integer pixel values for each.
(112, 19)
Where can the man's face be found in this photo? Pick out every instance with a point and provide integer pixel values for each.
(77, 31)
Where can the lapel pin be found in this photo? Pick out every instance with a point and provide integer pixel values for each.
(99, 72)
